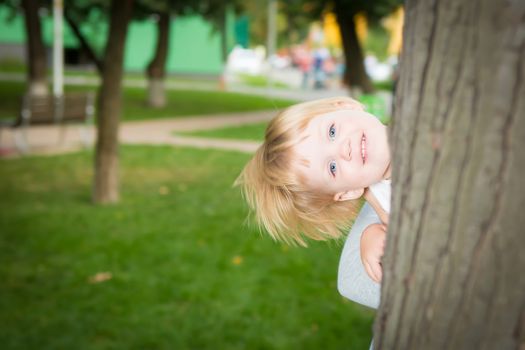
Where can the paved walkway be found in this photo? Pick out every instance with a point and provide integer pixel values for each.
(48, 140)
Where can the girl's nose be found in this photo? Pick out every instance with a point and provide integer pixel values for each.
(346, 150)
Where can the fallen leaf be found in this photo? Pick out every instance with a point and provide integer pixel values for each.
(237, 260)
(100, 277)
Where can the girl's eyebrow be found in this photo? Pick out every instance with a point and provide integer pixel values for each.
(320, 131)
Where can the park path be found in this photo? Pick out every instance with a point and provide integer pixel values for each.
(49, 139)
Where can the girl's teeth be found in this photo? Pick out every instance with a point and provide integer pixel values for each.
(363, 139)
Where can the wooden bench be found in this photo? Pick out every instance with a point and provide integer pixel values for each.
(49, 110)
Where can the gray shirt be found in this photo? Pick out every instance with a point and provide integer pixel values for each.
(352, 281)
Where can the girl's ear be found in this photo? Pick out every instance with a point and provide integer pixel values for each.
(349, 195)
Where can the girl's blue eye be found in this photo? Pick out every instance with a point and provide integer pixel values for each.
(331, 132)
(333, 167)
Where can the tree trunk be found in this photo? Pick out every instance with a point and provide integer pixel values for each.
(355, 74)
(156, 70)
(36, 51)
(110, 100)
(455, 247)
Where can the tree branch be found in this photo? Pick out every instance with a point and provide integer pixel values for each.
(84, 43)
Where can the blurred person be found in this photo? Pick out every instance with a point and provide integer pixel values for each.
(329, 69)
(303, 60)
(320, 55)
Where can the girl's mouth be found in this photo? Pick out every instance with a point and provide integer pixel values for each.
(363, 148)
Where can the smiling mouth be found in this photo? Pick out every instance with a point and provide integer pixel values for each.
(363, 148)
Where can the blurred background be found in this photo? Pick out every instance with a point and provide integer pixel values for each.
(123, 125)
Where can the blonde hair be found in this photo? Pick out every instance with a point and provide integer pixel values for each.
(277, 193)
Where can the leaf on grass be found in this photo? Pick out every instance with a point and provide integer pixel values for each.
(100, 277)
(237, 260)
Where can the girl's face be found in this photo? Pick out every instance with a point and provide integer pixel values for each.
(346, 150)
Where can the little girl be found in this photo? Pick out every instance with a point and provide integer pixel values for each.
(317, 159)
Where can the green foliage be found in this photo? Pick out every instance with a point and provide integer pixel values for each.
(377, 42)
(374, 10)
(172, 266)
(294, 18)
(144, 9)
(214, 10)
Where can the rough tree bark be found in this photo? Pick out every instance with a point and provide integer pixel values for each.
(455, 256)
(355, 73)
(156, 70)
(110, 99)
(36, 51)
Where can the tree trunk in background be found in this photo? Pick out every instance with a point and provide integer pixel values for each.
(109, 109)
(355, 73)
(35, 50)
(454, 258)
(156, 70)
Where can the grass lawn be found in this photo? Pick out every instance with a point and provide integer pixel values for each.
(169, 267)
(253, 132)
(261, 81)
(180, 102)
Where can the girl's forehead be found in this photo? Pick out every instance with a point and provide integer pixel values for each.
(342, 113)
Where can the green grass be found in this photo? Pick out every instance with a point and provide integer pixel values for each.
(184, 103)
(12, 65)
(186, 272)
(376, 42)
(261, 81)
(180, 102)
(387, 85)
(252, 132)
(375, 105)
